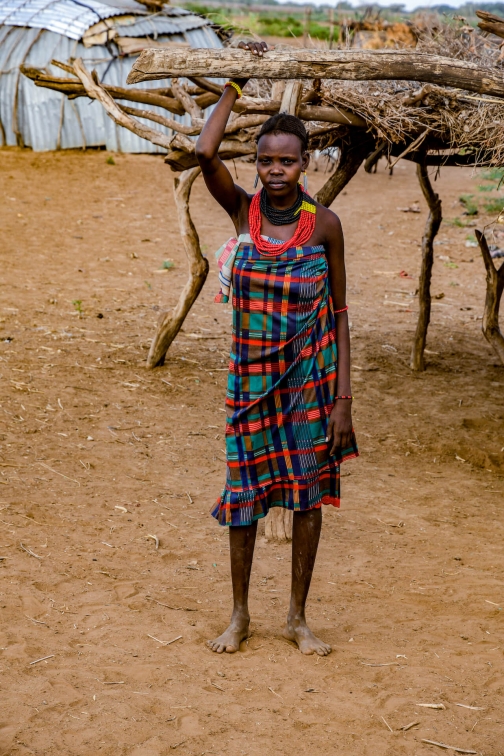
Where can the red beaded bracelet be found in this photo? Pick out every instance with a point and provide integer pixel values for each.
(343, 309)
(343, 397)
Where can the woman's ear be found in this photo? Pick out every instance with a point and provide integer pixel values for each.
(306, 161)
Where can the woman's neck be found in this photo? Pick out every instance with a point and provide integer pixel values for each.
(282, 203)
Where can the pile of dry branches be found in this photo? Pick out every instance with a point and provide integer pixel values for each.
(402, 114)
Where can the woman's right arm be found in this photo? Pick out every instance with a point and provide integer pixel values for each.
(217, 177)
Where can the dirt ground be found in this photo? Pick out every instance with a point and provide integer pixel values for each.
(99, 455)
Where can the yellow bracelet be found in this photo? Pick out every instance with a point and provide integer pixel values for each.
(235, 87)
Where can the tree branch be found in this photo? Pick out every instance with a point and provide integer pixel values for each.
(352, 155)
(170, 123)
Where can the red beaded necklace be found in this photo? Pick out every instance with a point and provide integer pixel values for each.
(303, 232)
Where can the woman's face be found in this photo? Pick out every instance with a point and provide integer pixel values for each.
(280, 162)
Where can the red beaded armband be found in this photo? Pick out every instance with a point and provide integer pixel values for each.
(343, 309)
(343, 397)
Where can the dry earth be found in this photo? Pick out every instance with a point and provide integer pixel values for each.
(98, 455)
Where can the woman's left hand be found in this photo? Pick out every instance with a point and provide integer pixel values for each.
(256, 48)
(339, 432)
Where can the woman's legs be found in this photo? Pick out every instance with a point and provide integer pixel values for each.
(305, 539)
(241, 545)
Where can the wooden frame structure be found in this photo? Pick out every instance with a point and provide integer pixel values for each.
(296, 76)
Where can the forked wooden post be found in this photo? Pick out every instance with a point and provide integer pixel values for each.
(494, 289)
(170, 322)
(278, 526)
(352, 156)
(424, 296)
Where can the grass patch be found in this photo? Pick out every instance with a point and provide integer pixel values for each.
(455, 222)
(471, 208)
(493, 174)
(274, 24)
(290, 26)
(486, 188)
(494, 206)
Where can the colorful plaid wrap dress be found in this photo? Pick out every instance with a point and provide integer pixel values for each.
(281, 386)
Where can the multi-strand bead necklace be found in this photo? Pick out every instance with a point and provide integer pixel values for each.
(304, 208)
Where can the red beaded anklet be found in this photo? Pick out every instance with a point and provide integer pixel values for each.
(343, 397)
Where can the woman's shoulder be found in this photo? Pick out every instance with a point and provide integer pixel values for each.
(328, 223)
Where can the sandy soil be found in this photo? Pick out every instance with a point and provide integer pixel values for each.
(98, 455)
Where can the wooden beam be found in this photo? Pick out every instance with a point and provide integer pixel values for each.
(352, 65)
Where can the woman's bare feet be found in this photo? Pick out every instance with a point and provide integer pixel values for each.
(297, 630)
(231, 638)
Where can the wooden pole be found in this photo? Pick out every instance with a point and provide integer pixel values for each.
(306, 26)
(331, 28)
(171, 322)
(291, 97)
(494, 289)
(278, 526)
(351, 65)
(424, 296)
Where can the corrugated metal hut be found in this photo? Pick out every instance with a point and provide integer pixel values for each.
(108, 35)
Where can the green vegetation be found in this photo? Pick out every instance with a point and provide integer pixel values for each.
(470, 207)
(456, 222)
(494, 206)
(244, 17)
(486, 188)
(493, 174)
(77, 303)
(110, 160)
(274, 23)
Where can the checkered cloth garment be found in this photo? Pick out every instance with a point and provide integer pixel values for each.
(281, 384)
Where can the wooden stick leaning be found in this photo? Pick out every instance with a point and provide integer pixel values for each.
(350, 65)
(494, 289)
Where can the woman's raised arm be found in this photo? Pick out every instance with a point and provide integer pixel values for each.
(217, 177)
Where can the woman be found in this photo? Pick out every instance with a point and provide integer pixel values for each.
(289, 421)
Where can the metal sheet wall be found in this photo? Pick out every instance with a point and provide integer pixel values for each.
(36, 112)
